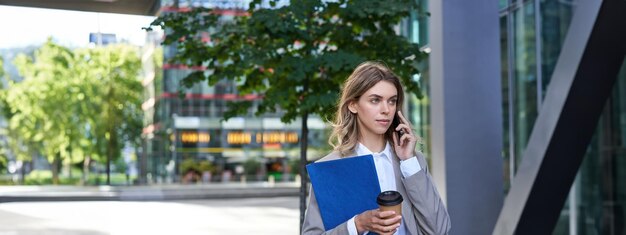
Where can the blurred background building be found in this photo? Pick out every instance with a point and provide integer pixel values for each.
(189, 129)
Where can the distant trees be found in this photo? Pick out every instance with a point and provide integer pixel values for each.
(3, 152)
(74, 106)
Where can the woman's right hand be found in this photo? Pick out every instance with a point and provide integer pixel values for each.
(381, 222)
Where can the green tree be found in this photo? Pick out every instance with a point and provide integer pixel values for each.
(42, 110)
(3, 160)
(296, 56)
(14, 145)
(75, 105)
(116, 116)
(3, 150)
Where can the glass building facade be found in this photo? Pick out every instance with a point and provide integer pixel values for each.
(531, 37)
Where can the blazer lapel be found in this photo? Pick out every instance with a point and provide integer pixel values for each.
(407, 212)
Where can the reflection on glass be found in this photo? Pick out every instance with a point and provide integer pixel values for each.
(503, 3)
(422, 38)
(419, 109)
(597, 203)
(525, 77)
(556, 16)
(600, 195)
(420, 115)
(618, 203)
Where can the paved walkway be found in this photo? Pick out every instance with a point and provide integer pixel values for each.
(241, 216)
(147, 193)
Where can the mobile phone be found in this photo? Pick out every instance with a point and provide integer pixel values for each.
(394, 124)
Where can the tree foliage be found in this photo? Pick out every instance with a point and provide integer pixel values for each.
(74, 104)
(296, 55)
(3, 150)
(37, 112)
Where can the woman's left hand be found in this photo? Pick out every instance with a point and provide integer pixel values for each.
(405, 146)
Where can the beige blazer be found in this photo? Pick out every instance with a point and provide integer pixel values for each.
(423, 212)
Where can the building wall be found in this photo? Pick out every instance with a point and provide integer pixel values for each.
(532, 33)
(535, 31)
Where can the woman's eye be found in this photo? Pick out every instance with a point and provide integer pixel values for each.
(392, 101)
(375, 101)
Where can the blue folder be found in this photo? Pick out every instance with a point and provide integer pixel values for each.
(344, 188)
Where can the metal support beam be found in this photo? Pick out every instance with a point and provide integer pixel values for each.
(586, 71)
(466, 112)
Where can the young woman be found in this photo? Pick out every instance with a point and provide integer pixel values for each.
(371, 98)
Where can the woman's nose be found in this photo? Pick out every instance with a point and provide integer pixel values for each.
(384, 108)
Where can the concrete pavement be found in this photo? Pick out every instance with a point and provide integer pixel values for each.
(259, 216)
(149, 192)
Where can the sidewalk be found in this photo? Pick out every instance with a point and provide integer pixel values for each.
(147, 193)
(243, 216)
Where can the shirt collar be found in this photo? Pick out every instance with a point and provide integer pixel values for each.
(362, 150)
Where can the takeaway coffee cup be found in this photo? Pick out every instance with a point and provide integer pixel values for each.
(390, 201)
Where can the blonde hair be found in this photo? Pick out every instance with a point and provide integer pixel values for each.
(344, 136)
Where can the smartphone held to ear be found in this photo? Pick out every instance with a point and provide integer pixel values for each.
(394, 124)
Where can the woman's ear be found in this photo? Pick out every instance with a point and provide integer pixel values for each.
(352, 107)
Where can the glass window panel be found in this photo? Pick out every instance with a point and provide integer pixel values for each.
(555, 19)
(614, 164)
(422, 25)
(525, 77)
(419, 109)
(198, 107)
(174, 106)
(598, 202)
(187, 108)
(620, 88)
(169, 78)
(504, 63)
(172, 77)
(159, 110)
(205, 88)
(169, 51)
(503, 4)
(601, 196)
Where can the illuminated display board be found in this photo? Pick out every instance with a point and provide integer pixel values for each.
(272, 137)
(195, 137)
(261, 137)
(198, 138)
(235, 138)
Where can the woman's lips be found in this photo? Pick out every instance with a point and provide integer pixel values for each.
(383, 121)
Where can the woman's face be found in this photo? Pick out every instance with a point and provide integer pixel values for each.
(375, 109)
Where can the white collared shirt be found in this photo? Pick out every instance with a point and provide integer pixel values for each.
(383, 161)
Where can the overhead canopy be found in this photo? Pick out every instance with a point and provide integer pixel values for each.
(133, 7)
